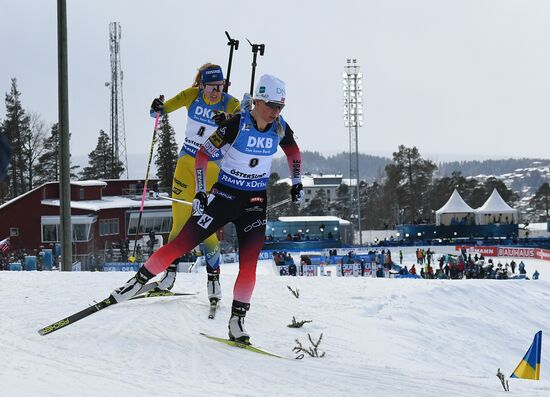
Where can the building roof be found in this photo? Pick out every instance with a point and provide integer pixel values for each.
(495, 204)
(309, 180)
(89, 183)
(455, 205)
(110, 202)
(327, 218)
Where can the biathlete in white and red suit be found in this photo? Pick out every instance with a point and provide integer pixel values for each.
(248, 142)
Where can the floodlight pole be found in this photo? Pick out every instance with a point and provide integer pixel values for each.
(66, 235)
(353, 119)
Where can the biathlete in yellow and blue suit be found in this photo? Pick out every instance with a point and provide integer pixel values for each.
(207, 105)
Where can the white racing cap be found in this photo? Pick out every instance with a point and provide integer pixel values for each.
(270, 89)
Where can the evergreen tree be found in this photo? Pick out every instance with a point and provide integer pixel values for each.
(101, 163)
(341, 204)
(411, 176)
(166, 157)
(541, 202)
(48, 165)
(49, 160)
(276, 193)
(16, 129)
(318, 206)
(376, 211)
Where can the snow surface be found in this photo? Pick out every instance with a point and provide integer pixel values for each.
(382, 337)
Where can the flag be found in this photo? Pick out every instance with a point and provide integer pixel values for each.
(5, 245)
(529, 366)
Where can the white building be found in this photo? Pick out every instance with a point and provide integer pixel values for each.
(315, 182)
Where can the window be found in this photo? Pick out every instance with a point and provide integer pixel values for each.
(159, 222)
(81, 193)
(81, 227)
(109, 227)
(14, 231)
(81, 232)
(50, 233)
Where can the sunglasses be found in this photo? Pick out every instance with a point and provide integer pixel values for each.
(209, 88)
(275, 105)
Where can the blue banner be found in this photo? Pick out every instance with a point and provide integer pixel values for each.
(121, 267)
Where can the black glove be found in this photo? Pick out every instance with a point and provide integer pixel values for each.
(199, 203)
(219, 118)
(158, 104)
(297, 193)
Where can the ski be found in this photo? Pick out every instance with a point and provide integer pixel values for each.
(242, 346)
(73, 318)
(77, 316)
(161, 293)
(212, 309)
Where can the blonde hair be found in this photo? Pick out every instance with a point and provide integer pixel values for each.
(206, 66)
(280, 130)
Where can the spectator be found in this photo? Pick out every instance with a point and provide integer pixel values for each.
(292, 269)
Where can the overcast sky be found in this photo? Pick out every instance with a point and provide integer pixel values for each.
(458, 79)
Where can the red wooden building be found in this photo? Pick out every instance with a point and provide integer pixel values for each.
(102, 212)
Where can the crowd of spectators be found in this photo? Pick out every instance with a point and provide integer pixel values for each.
(18, 256)
(455, 267)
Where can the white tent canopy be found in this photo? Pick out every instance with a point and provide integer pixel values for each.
(455, 211)
(495, 210)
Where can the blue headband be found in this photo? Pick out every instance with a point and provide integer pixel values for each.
(210, 75)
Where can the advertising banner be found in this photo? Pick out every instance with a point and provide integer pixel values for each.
(512, 252)
(309, 270)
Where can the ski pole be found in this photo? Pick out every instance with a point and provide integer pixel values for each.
(255, 49)
(234, 44)
(275, 205)
(144, 193)
(157, 196)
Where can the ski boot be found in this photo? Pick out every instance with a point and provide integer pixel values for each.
(237, 332)
(132, 286)
(213, 285)
(167, 281)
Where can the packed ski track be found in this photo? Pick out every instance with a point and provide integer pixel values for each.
(381, 337)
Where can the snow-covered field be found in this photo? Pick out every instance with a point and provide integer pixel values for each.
(382, 337)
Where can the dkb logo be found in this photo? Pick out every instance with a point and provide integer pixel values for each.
(200, 111)
(260, 142)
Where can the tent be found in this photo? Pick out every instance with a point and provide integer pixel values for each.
(495, 210)
(455, 212)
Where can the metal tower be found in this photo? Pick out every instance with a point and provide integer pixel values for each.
(353, 119)
(118, 135)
